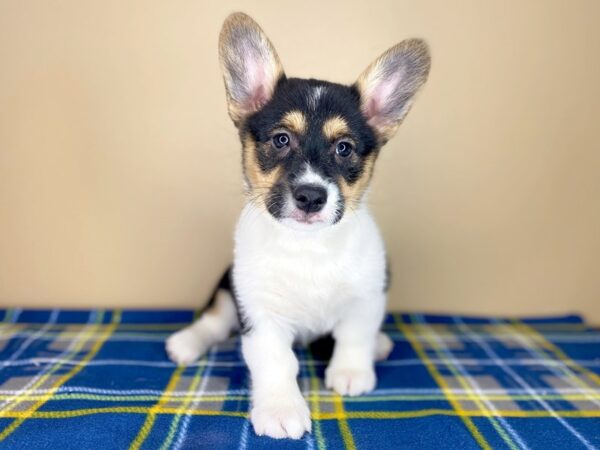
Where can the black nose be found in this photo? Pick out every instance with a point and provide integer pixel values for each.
(310, 198)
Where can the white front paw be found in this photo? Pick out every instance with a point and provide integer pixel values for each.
(184, 347)
(349, 381)
(281, 418)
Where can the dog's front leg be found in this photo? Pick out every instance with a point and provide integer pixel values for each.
(351, 370)
(278, 408)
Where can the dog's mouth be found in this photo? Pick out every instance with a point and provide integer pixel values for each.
(308, 219)
(301, 221)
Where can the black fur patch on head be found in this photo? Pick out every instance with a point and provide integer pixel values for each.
(318, 101)
(316, 105)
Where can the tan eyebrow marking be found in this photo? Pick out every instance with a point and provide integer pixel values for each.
(335, 127)
(295, 122)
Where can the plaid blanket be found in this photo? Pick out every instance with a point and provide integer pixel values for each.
(101, 379)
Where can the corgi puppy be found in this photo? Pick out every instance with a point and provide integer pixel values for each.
(309, 259)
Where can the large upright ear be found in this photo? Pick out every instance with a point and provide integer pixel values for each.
(250, 65)
(387, 87)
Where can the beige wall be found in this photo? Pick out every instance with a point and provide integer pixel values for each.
(120, 172)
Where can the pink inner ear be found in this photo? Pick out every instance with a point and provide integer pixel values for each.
(258, 82)
(377, 107)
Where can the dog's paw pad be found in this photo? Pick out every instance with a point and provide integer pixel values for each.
(184, 347)
(350, 381)
(281, 420)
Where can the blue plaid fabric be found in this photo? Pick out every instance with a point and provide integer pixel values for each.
(101, 379)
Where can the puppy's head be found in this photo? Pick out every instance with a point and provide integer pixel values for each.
(309, 146)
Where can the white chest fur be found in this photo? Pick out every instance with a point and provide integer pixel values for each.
(304, 280)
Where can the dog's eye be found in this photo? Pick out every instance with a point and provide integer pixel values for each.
(281, 140)
(343, 149)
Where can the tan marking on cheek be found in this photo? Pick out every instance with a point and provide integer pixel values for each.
(295, 122)
(259, 182)
(335, 127)
(353, 192)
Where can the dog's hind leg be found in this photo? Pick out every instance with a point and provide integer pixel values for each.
(215, 325)
(383, 347)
